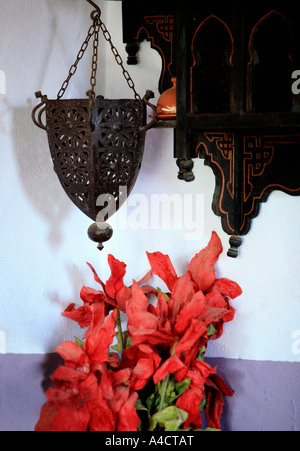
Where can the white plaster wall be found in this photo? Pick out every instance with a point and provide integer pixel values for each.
(43, 240)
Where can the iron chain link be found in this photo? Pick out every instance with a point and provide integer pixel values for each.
(119, 59)
(95, 57)
(94, 31)
(73, 68)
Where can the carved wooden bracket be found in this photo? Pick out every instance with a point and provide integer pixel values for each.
(235, 105)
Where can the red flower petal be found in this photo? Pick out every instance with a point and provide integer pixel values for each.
(134, 358)
(97, 279)
(192, 309)
(102, 416)
(142, 372)
(73, 355)
(128, 419)
(98, 343)
(143, 326)
(105, 382)
(183, 291)
(83, 316)
(228, 288)
(120, 396)
(122, 297)
(202, 265)
(162, 308)
(215, 389)
(170, 366)
(140, 319)
(68, 410)
(136, 303)
(98, 311)
(120, 377)
(66, 417)
(151, 337)
(115, 282)
(204, 369)
(146, 278)
(90, 295)
(69, 375)
(189, 402)
(161, 266)
(215, 299)
(191, 338)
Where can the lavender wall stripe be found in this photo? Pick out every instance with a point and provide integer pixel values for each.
(258, 404)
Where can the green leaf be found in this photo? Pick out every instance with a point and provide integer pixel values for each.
(202, 405)
(127, 340)
(170, 418)
(181, 387)
(79, 343)
(118, 346)
(123, 340)
(151, 422)
(174, 391)
(201, 353)
(167, 298)
(211, 330)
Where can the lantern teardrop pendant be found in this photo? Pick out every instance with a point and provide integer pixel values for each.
(96, 144)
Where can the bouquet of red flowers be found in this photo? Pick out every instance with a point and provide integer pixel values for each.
(155, 377)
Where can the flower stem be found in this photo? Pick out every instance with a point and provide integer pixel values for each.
(164, 390)
(120, 332)
(166, 383)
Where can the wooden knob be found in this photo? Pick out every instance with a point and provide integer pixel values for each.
(186, 166)
(235, 242)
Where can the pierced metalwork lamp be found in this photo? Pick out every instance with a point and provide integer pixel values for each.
(96, 144)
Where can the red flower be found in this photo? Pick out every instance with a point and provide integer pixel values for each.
(114, 408)
(67, 409)
(166, 344)
(161, 266)
(86, 395)
(198, 373)
(161, 326)
(143, 361)
(75, 384)
(98, 304)
(196, 301)
(202, 267)
(143, 325)
(215, 389)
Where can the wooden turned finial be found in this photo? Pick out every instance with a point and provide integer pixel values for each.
(186, 166)
(235, 242)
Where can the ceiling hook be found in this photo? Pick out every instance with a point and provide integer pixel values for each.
(97, 12)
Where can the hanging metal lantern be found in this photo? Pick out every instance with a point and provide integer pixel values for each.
(96, 144)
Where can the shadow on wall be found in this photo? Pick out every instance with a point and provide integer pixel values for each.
(77, 281)
(30, 144)
(36, 172)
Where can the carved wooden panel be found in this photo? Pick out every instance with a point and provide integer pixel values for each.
(248, 167)
(212, 51)
(235, 107)
(154, 22)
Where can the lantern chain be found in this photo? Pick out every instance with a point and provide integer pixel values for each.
(118, 59)
(95, 57)
(73, 68)
(94, 31)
